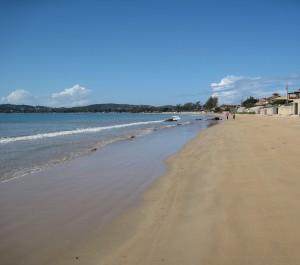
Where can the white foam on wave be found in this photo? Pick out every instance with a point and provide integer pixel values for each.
(77, 131)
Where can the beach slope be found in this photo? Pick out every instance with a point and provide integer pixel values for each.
(231, 196)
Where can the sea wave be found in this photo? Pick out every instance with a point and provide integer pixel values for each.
(70, 132)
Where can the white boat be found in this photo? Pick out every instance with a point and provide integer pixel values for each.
(173, 118)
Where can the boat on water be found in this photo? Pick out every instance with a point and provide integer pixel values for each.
(173, 118)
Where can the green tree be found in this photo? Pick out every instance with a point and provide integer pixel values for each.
(188, 106)
(249, 102)
(197, 105)
(211, 103)
(178, 107)
(280, 102)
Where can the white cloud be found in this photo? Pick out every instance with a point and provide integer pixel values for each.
(74, 91)
(232, 89)
(74, 96)
(226, 83)
(19, 96)
(70, 97)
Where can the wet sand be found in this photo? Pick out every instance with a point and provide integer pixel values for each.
(231, 196)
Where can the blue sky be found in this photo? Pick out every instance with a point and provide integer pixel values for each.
(68, 53)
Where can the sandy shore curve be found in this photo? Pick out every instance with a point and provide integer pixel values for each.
(231, 196)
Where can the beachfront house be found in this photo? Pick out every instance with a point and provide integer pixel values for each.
(282, 105)
(268, 110)
(295, 96)
(255, 109)
(296, 107)
(249, 110)
(285, 110)
(276, 105)
(261, 102)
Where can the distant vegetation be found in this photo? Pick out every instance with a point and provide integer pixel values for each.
(119, 108)
(281, 102)
(249, 102)
(211, 104)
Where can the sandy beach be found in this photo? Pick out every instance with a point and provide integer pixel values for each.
(231, 196)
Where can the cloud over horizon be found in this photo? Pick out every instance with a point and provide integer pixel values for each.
(233, 89)
(230, 89)
(19, 96)
(71, 97)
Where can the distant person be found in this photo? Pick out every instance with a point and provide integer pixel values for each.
(233, 116)
(227, 115)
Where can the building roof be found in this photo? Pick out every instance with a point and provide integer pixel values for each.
(294, 94)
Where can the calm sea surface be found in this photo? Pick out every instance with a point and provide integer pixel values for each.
(33, 142)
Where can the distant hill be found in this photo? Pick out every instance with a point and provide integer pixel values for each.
(110, 107)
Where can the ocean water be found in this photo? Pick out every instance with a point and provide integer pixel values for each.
(34, 142)
(55, 214)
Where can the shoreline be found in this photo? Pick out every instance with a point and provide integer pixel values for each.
(35, 151)
(240, 206)
(50, 216)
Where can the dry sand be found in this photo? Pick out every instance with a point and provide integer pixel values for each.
(231, 196)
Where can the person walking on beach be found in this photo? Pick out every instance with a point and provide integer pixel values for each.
(227, 114)
(233, 116)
